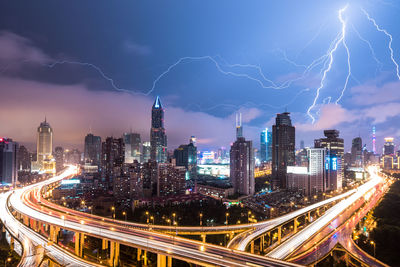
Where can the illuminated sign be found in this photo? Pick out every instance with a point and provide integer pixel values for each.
(297, 170)
(334, 164)
(327, 163)
(71, 181)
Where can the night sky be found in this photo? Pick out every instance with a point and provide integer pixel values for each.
(99, 65)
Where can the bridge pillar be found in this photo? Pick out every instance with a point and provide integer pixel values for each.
(145, 258)
(309, 216)
(26, 220)
(279, 234)
(295, 223)
(203, 238)
(79, 242)
(12, 242)
(139, 255)
(318, 212)
(53, 236)
(104, 244)
(252, 247)
(169, 261)
(161, 260)
(262, 244)
(114, 254)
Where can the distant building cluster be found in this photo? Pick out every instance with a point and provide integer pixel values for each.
(132, 169)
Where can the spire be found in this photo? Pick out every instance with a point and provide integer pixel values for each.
(239, 129)
(45, 119)
(157, 103)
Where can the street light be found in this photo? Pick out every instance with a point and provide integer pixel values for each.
(226, 218)
(113, 210)
(248, 216)
(7, 260)
(373, 244)
(201, 219)
(124, 213)
(147, 215)
(173, 216)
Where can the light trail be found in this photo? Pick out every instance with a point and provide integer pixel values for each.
(380, 29)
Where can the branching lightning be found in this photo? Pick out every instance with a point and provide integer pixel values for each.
(380, 29)
(329, 54)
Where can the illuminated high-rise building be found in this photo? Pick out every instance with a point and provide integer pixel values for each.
(266, 145)
(8, 161)
(59, 157)
(239, 128)
(133, 146)
(242, 166)
(283, 148)
(388, 147)
(92, 153)
(158, 138)
(331, 142)
(374, 139)
(146, 151)
(186, 155)
(356, 152)
(44, 142)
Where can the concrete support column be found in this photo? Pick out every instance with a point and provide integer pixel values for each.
(145, 258)
(295, 223)
(79, 242)
(169, 261)
(309, 216)
(161, 260)
(12, 243)
(26, 220)
(54, 233)
(252, 247)
(318, 212)
(262, 245)
(279, 234)
(104, 244)
(139, 254)
(114, 254)
(203, 238)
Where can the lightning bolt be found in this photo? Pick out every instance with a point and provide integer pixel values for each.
(378, 28)
(328, 65)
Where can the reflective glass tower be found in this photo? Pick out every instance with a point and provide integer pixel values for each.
(158, 138)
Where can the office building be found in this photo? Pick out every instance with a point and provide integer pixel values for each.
(298, 179)
(283, 148)
(171, 180)
(24, 159)
(44, 148)
(158, 137)
(59, 158)
(388, 147)
(331, 142)
(133, 146)
(186, 155)
(316, 170)
(266, 145)
(149, 176)
(112, 158)
(242, 166)
(146, 152)
(357, 152)
(8, 161)
(92, 152)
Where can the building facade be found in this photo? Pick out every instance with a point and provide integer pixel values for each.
(92, 153)
(283, 148)
(158, 137)
(242, 166)
(8, 161)
(133, 147)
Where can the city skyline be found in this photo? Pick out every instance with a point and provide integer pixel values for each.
(77, 97)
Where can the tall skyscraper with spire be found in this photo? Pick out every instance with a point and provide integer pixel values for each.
(158, 138)
(44, 142)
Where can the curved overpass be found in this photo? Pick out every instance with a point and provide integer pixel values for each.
(159, 243)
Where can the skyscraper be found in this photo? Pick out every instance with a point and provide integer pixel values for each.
(331, 142)
(265, 145)
(356, 152)
(242, 166)
(239, 128)
(186, 155)
(8, 161)
(316, 169)
(374, 139)
(44, 142)
(92, 153)
(283, 148)
(146, 151)
(388, 147)
(112, 158)
(24, 159)
(59, 157)
(133, 146)
(158, 138)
